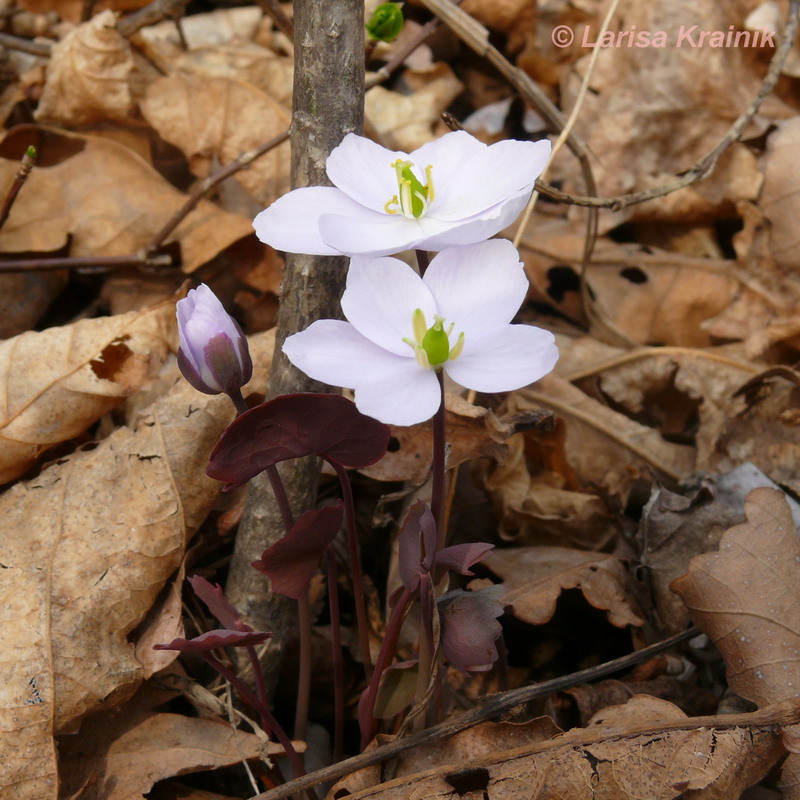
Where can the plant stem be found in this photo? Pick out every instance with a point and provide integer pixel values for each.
(366, 707)
(338, 663)
(304, 676)
(268, 721)
(27, 164)
(279, 490)
(426, 645)
(355, 566)
(238, 401)
(439, 452)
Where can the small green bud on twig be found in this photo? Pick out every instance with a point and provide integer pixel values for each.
(386, 22)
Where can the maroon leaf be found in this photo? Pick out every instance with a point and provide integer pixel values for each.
(460, 557)
(292, 426)
(211, 640)
(470, 627)
(292, 561)
(416, 544)
(212, 595)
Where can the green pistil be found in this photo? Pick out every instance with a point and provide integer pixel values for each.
(414, 196)
(432, 345)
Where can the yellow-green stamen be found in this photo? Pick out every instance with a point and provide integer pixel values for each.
(413, 197)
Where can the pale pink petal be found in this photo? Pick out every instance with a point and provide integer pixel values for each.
(490, 177)
(403, 395)
(478, 287)
(447, 155)
(291, 223)
(335, 353)
(477, 228)
(376, 235)
(381, 297)
(511, 357)
(363, 170)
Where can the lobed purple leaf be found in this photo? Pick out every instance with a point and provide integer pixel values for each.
(214, 598)
(292, 561)
(460, 557)
(293, 426)
(416, 544)
(470, 627)
(211, 640)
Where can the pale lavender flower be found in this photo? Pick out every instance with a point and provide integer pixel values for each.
(213, 354)
(402, 328)
(452, 191)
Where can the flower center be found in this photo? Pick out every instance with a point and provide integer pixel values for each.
(414, 197)
(431, 346)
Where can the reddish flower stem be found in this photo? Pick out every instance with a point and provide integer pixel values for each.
(439, 451)
(355, 566)
(338, 662)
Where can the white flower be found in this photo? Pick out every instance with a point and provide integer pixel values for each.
(213, 354)
(401, 328)
(452, 191)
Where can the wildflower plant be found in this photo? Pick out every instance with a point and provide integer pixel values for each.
(404, 331)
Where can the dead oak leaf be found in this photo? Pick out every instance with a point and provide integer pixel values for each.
(746, 597)
(534, 577)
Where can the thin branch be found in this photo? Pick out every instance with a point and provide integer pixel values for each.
(25, 45)
(207, 184)
(705, 166)
(85, 262)
(272, 8)
(149, 15)
(27, 164)
(490, 708)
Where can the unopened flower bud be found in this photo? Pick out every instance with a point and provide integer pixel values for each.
(213, 354)
(386, 22)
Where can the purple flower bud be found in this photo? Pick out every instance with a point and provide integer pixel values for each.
(213, 354)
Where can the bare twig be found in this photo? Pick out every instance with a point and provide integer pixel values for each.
(272, 8)
(149, 15)
(491, 707)
(85, 262)
(207, 184)
(25, 45)
(28, 161)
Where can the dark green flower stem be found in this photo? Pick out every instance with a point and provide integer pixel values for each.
(355, 566)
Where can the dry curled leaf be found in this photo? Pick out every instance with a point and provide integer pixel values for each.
(213, 120)
(87, 76)
(103, 199)
(56, 383)
(746, 597)
(88, 546)
(534, 577)
(780, 200)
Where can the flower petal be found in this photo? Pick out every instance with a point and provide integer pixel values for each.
(335, 353)
(511, 357)
(479, 287)
(372, 234)
(363, 170)
(490, 177)
(477, 228)
(291, 223)
(447, 156)
(381, 297)
(403, 394)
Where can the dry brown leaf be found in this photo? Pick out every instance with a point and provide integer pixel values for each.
(88, 546)
(220, 27)
(213, 120)
(645, 749)
(55, 384)
(87, 76)
(104, 199)
(405, 122)
(605, 449)
(780, 199)
(120, 755)
(534, 577)
(746, 597)
(472, 431)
